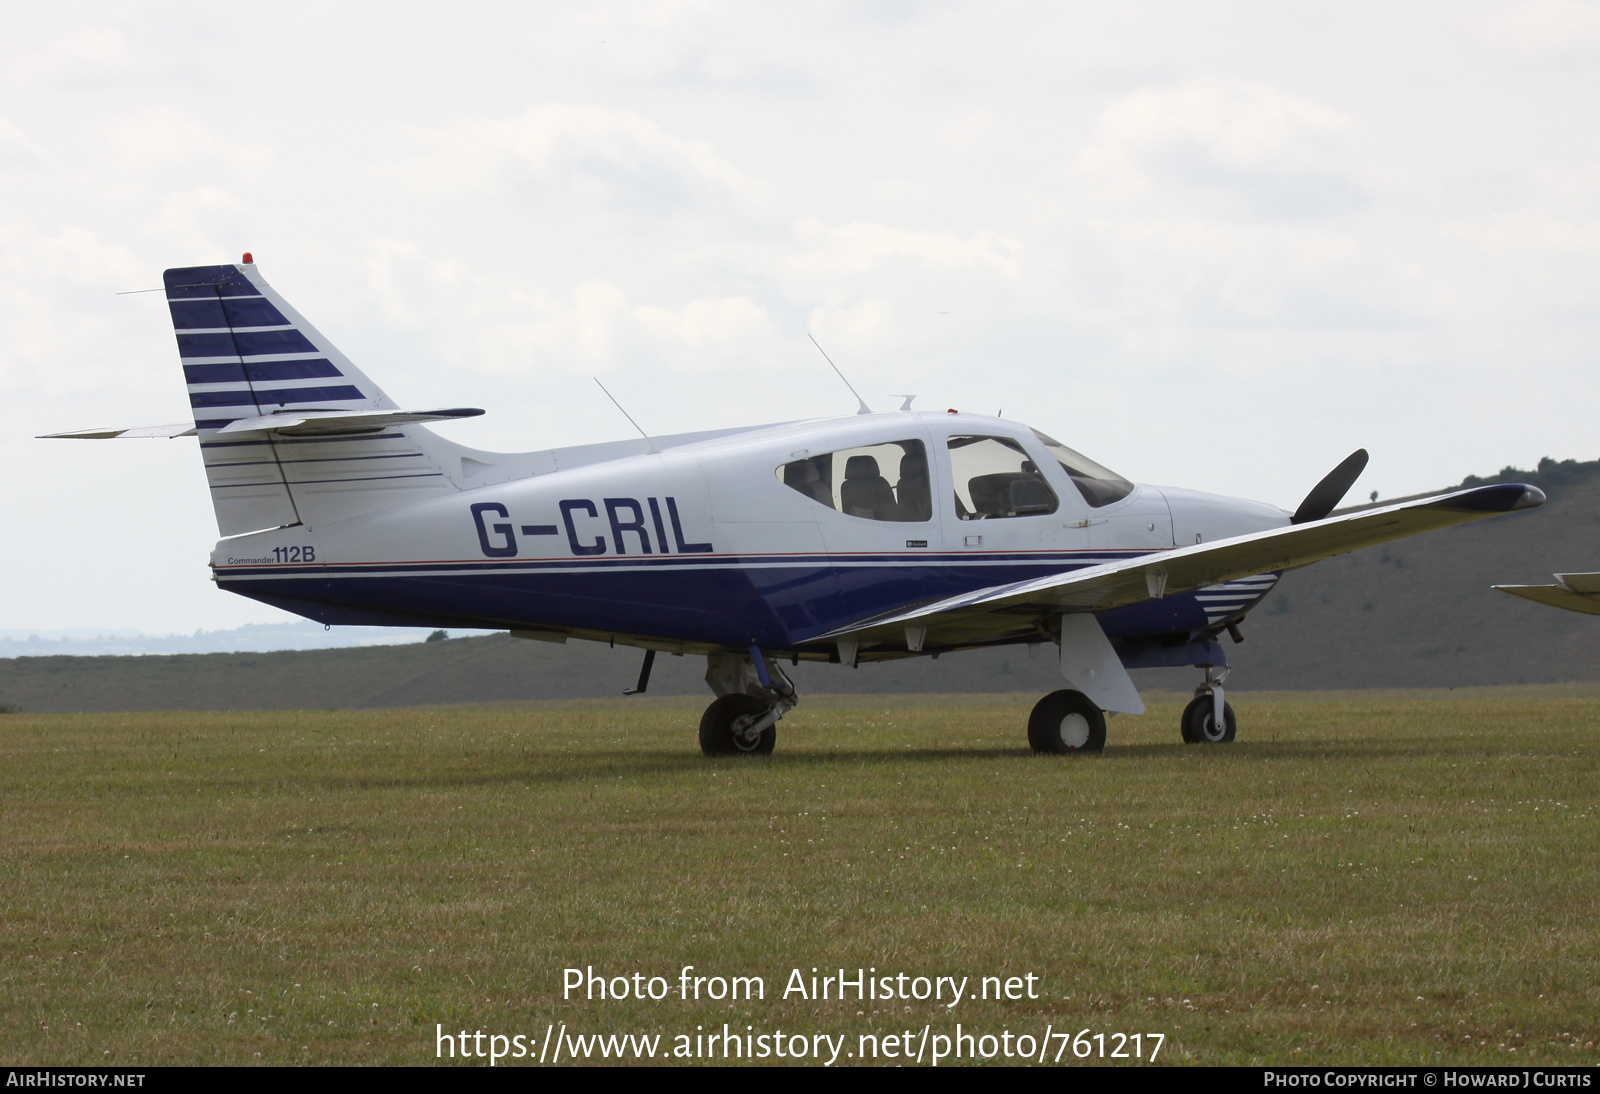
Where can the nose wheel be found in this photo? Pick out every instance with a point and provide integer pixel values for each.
(1208, 719)
(1200, 722)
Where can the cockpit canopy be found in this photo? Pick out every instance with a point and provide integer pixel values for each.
(993, 476)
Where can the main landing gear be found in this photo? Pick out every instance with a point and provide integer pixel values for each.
(1066, 722)
(752, 694)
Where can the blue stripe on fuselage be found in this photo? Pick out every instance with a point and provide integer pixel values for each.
(729, 600)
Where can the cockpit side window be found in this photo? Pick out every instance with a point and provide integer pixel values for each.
(1099, 486)
(855, 481)
(995, 477)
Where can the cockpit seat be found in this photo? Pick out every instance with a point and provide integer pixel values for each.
(866, 493)
(913, 493)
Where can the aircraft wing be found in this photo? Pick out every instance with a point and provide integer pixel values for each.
(1007, 609)
(1574, 592)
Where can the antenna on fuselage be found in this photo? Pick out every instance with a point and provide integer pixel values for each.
(626, 415)
(865, 409)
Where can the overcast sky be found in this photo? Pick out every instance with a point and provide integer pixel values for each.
(1216, 246)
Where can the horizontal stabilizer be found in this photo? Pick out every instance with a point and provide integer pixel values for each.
(1575, 592)
(299, 423)
(1005, 609)
(182, 429)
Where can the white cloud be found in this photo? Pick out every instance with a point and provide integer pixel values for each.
(1545, 28)
(17, 149)
(858, 247)
(475, 319)
(704, 335)
(860, 331)
(564, 151)
(61, 327)
(1218, 205)
(85, 51)
(965, 131)
(162, 139)
(478, 321)
(1267, 153)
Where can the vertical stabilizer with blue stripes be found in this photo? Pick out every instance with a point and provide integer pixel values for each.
(247, 354)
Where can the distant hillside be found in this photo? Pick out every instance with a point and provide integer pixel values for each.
(461, 670)
(250, 638)
(1417, 613)
(1420, 612)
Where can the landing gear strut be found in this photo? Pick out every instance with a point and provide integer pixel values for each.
(752, 694)
(1208, 719)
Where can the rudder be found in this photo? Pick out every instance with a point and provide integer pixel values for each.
(246, 354)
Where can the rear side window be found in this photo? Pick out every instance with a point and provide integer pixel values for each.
(995, 477)
(875, 482)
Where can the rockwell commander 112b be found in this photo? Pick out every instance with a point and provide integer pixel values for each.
(843, 540)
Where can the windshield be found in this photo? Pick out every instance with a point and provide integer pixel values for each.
(1098, 485)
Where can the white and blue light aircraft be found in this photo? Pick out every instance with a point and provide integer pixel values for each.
(860, 538)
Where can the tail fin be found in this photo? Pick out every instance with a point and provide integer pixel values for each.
(247, 355)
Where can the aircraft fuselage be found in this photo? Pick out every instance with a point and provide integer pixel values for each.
(719, 544)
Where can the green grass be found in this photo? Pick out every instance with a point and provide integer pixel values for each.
(1372, 880)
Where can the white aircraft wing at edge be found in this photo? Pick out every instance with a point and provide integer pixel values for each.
(181, 429)
(1003, 609)
(290, 422)
(298, 422)
(1574, 592)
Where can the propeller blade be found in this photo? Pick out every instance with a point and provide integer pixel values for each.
(1332, 489)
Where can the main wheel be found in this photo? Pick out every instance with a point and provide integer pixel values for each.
(727, 728)
(1200, 722)
(1066, 721)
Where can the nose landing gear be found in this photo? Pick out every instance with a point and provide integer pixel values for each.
(1208, 719)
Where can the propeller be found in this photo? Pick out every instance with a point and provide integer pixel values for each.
(1328, 493)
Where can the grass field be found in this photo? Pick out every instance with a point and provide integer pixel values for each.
(1377, 879)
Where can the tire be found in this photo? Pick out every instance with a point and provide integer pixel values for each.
(1199, 722)
(1066, 722)
(725, 724)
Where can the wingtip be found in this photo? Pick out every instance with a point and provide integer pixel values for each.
(1532, 497)
(1501, 497)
